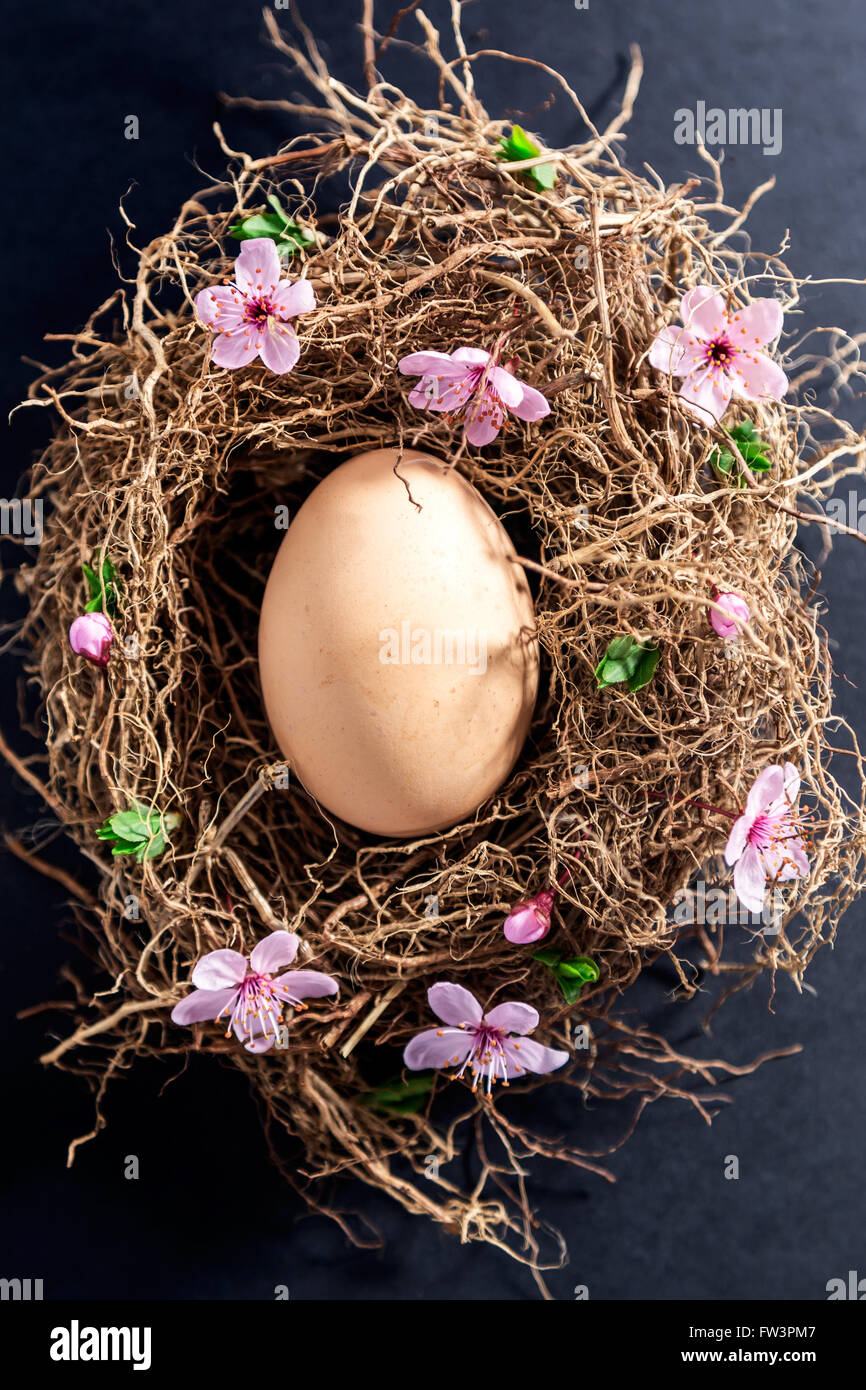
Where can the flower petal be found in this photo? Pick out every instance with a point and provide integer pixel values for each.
(526, 923)
(737, 840)
(453, 1004)
(218, 969)
(735, 614)
(781, 805)
(786, 859)
(484, 420)
(305, 984)
(765, 790)
(507, 387)
(758, 378)
(703, 311)
(254, 1038)
(424, 395)
(442, 392)
(476, 356)
(750, 879)
(532, 404)
(91, 635)
(514, 1017)
(525, 1054)
(760, 322)
(437, 1047)
(235, 349)
(257, 268)
(706, 394)
(676, 351)
(279, 348)
(280, 948)
(430, 364)
(220, 307)
(799, 857)
(451, 394)
(291, 298)
(202, 1004)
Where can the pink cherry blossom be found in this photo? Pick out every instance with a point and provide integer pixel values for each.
(486, 1043)
(716, 353)
(530, 921)
(250, 316)
(766, 840)
(731, 622)
(91, 636)
(470, 380)
(246, 992)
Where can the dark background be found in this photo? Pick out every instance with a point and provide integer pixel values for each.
(209, 1217)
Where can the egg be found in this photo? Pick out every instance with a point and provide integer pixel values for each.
(397, 646)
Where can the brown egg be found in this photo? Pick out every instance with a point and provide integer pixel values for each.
(397, 647)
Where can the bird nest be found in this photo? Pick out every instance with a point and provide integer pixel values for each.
(627, 525)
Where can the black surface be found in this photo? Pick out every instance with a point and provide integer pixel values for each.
(208, 1217)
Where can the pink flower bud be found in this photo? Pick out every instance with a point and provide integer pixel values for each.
(529, 921)
(91, 636)
(737, 613)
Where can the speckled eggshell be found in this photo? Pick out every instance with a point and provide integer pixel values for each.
(397, 647)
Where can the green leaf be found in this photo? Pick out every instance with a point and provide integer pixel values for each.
(571, 989)
(104, 592)
(544, 175)
(582, 968)
(722, 460)
(410, 1106)
(126, 847)
(574, 974)
(289, 236)
(139, 831)
(131, 825)
(626, 659)
(398, 1097)
(620, 647)
(518, 146)
(750, 446)
(261, 225)
(547, 956)
(153, 848)
(571, 975)
(278, 207)
(614, 671)
(645, 669)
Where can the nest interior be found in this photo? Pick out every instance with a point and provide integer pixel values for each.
(175, 469)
